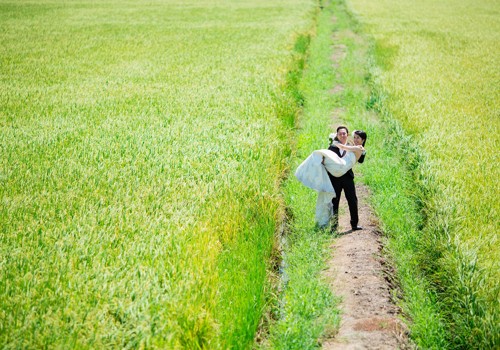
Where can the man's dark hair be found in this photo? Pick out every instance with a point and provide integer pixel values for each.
(342, 127)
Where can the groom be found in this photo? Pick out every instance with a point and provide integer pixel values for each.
(346, 183)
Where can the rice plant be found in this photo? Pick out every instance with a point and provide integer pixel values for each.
(436, 75)
(142, 148)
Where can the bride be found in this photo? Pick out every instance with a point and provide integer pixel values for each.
(312, 172)
(336, 165)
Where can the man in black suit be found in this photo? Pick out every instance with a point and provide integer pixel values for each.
(346, 183)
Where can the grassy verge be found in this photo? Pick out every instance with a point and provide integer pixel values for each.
(308, 310)
(389, 174)
(306, 306)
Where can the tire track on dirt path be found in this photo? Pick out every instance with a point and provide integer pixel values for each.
(357, 273)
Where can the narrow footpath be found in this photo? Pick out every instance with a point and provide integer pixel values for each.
(357, 272)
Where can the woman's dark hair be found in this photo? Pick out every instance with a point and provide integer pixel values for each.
(361, 134)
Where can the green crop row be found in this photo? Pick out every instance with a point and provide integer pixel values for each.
(435, 84)
(143, 145)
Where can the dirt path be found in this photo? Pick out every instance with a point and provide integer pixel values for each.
(356, 270)
(357, 274)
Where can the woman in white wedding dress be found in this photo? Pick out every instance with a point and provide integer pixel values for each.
(313, 173)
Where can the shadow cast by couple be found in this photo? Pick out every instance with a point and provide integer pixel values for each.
(331, 230)
(338, 233)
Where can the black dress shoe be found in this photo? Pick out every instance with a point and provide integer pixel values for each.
(356, 228)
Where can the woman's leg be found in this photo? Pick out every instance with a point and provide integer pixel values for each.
(337, 186)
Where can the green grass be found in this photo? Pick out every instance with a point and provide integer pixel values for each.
(391, 184)
(142, 149)
(421, 79)
(143, 145)
(435, 84)
(307, 309)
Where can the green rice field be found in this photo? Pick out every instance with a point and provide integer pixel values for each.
(145, 153)
(440, 75)
(142, 147)
(436, 76)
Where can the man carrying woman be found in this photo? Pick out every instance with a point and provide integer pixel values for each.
(329, 171)
(346, 182)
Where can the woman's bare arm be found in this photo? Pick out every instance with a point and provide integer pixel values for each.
(357, 150)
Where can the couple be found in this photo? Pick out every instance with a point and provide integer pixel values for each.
(330, 171)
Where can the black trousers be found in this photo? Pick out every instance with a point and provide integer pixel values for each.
(345, 183)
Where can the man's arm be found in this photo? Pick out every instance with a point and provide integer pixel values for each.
(348, 147)
(357, 150)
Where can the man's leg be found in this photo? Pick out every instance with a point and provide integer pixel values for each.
(337, 186)
(352, 201)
